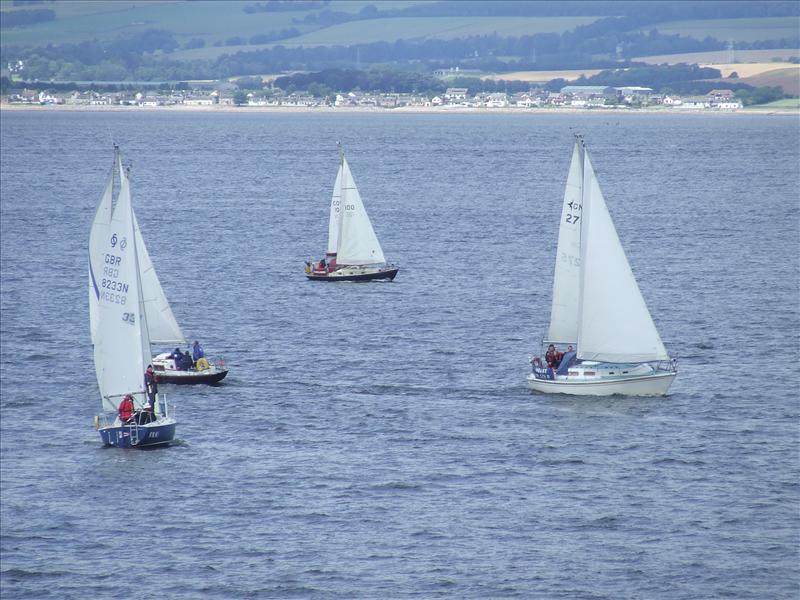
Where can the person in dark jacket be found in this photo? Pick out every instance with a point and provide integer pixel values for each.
(197, 351)
(151, 384)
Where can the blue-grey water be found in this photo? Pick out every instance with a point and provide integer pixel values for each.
(378, 440)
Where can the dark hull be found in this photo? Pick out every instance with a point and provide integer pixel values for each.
(384, 274)
(191, 377)
(132, 436)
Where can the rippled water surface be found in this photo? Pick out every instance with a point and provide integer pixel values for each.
(378, 440)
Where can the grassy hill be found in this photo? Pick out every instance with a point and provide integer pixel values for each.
(218, 20)
(445, 28)
(736, 30)
(402, 28)
(209, 20)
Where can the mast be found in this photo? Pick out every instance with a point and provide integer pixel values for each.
(334, 217)
(564, 310)
(143, 329)
(342, 198)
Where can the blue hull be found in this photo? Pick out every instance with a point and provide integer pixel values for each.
(132, 436)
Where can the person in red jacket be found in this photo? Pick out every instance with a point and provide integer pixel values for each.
(126, 408)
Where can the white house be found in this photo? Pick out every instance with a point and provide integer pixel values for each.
(199, 101)
(455, 94)
(497, 100)
(729, 105)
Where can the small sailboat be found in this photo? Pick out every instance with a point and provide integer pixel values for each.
(131, 417)
(597, 306)
(354, 253)
(164, 328)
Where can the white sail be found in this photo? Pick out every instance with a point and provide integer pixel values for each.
(566, 279)
(122, 345)
(333, 223)
(97, 239)
(357, 244)
(614, 323)
(163, 327)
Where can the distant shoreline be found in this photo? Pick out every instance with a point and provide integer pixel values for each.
(440, 110)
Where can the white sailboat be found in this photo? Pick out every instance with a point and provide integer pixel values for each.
(163, 326)
(597, 306)
(120, 331)
(354, 253)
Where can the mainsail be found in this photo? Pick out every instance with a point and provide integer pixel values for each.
(333, 222)
(122, 344)
(614, 324)
(357, 243)
(97, 239)
(566, 279)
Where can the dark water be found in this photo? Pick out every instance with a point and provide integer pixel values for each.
(378, 440)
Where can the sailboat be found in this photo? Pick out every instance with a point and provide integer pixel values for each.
(597, 306)
(354, 253)
(120, 331)
(164, 328)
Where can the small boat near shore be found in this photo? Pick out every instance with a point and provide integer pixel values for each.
(353, 253)
(597, 305)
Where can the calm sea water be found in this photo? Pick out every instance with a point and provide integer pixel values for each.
(378, 440)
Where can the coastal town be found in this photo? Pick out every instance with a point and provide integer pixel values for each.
(229, 94)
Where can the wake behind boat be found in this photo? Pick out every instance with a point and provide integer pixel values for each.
(133, 416)
(354, 253)
(163, 327)
(597, 305)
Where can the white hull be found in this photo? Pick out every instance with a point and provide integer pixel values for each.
(651, 385)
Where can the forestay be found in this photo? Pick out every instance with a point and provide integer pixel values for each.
(614, 323)
(122, 345)
(566, 279)
(357, 243)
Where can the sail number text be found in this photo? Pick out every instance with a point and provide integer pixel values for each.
(109, 282)
(574, 212)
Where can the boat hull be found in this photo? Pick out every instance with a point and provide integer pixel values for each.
(138, 436)
(353, 275)
(208, 377)
(651, 385)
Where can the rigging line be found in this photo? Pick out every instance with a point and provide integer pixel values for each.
(110, 136)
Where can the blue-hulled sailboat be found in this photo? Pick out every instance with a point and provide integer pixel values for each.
(119, 326)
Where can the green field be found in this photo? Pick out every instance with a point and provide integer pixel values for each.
(405, 28)
(785, 104)
(444, 28)
(210, 20)
(737, 30)
(217, 20)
